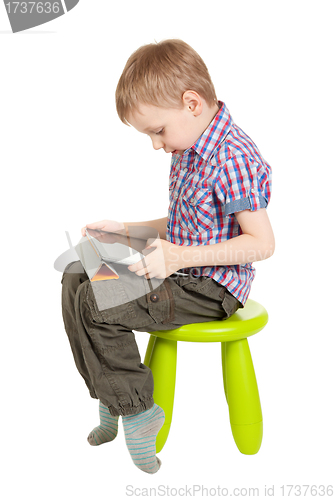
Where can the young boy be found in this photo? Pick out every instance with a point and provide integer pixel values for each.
(217, 225)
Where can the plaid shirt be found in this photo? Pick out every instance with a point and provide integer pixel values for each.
(222, 173)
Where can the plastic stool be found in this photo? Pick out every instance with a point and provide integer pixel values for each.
(239, 378)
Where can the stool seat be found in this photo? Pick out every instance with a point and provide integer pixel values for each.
(244, 323)
(239, 379)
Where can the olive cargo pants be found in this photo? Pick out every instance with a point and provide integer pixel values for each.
(99, 318)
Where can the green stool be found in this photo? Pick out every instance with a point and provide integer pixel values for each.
(239, 378)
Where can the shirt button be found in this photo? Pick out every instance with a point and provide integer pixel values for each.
(252, 190)
(154, 297)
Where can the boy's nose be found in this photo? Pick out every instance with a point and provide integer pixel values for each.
(157, 143)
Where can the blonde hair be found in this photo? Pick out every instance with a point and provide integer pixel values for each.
(158, 74)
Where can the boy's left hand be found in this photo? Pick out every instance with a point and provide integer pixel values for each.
(163, 261)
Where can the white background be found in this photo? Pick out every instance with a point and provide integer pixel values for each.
(66, 160)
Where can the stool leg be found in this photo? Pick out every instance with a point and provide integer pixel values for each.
(148, 352)
(223, 359)
(243, 398)
(161, 358)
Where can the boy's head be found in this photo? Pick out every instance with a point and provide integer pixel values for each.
(159, 74)
(158, 81)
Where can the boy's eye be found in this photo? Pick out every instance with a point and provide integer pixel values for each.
(160, 132)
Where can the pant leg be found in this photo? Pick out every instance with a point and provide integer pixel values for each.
(102, 340)
(193, 300)
(74, 275)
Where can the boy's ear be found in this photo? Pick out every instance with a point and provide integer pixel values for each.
(193, 102)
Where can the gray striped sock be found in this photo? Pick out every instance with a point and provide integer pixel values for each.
(140, 432)
(107, 430)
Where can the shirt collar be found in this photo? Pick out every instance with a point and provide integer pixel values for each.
(215, 133)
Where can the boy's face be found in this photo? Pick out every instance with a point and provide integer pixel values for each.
(172, 129)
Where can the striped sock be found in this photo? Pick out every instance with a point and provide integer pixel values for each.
(107, 430)
(140, 432)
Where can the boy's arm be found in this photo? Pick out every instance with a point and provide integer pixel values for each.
(256, 243)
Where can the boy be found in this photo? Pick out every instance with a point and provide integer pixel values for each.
(216, 226)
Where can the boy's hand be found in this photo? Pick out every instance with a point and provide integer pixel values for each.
(163, 261)
(105, 225)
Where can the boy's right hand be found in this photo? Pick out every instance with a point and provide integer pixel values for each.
(105, 225)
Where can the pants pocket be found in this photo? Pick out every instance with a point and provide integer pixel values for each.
(194, 283)
(109, 302)
(161, 303)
